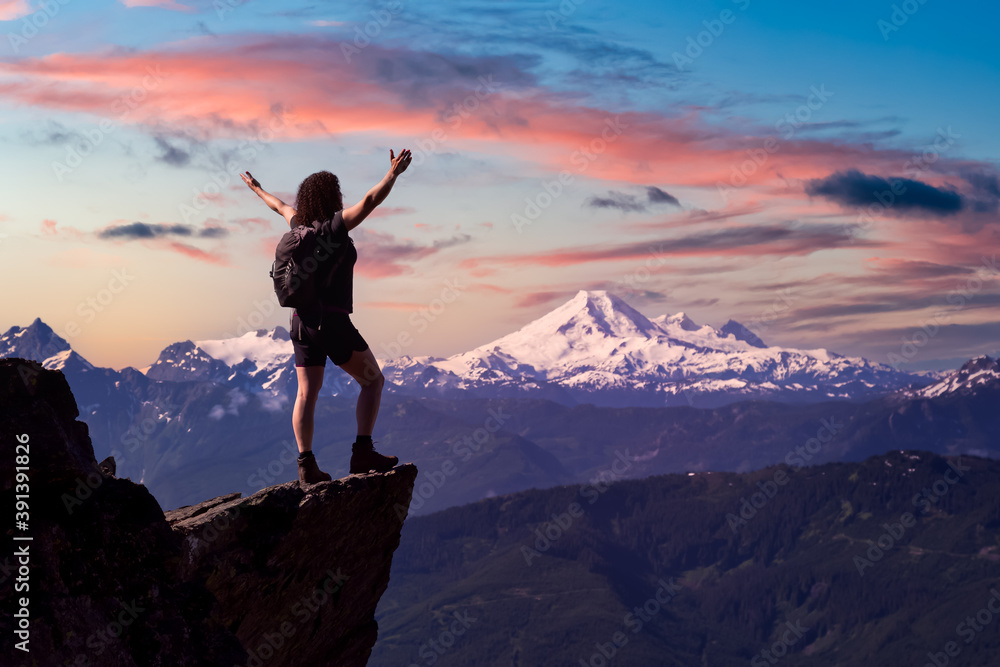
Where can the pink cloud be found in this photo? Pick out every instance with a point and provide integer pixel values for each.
(197, 253)
(388, 211)
(13, 9)
(203, 85)
(758, 241)
(539, 298)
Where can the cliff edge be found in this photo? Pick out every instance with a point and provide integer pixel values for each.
(287, 576)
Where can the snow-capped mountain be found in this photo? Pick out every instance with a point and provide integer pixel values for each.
(596, 348)
(259, 360)
(214, 413)
(39, 342)
(973, 376)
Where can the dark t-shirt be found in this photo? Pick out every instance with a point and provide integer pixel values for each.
(340, 295)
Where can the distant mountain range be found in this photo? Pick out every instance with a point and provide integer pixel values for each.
(211, 417)
(595, 348)
(883, 563)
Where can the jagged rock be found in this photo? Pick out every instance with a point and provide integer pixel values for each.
(108, 466)
(298, 571)
(103, 562)
(112, 583)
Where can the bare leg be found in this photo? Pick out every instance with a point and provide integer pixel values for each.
(310, 382)
(363, 367)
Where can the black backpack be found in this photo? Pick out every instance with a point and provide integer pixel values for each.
(304, 264)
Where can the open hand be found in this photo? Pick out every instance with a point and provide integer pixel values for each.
(251, 182)
(399, 163)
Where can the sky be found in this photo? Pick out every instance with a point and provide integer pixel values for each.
(824, 173)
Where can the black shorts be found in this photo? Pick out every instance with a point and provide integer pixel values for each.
(336, 338)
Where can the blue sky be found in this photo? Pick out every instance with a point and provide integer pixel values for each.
(713, 243)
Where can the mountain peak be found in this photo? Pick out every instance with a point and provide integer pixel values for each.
(37, 341)
(681, 320)
(983, 362)
(608, 311)
(973, 375)
(740, 332)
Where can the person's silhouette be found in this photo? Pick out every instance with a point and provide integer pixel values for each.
(325, 329)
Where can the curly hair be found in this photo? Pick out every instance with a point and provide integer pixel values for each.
(319, 197)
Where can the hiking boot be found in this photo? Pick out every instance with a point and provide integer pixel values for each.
(309, 472)
(365, 459)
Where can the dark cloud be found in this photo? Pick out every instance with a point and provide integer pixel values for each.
(59, 134)
(627, 203)
(658, 196)
(540, 37)
(984, 183)
(53, 133)
(891, 303)
(916, 270)
(701, 303)
(142, 230)
(617, 200)
(457, 239)
(213, 233)
(171, 154)
(985, 191)
(853, 188)
(457, 85)
(758, 241)
(952, 345)
(384, 255)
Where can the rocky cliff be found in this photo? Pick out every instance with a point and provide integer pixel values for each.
(287, 576)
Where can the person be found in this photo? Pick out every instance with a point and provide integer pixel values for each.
(325, 330)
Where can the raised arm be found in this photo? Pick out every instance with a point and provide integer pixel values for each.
(272, 202)
(355, 215)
